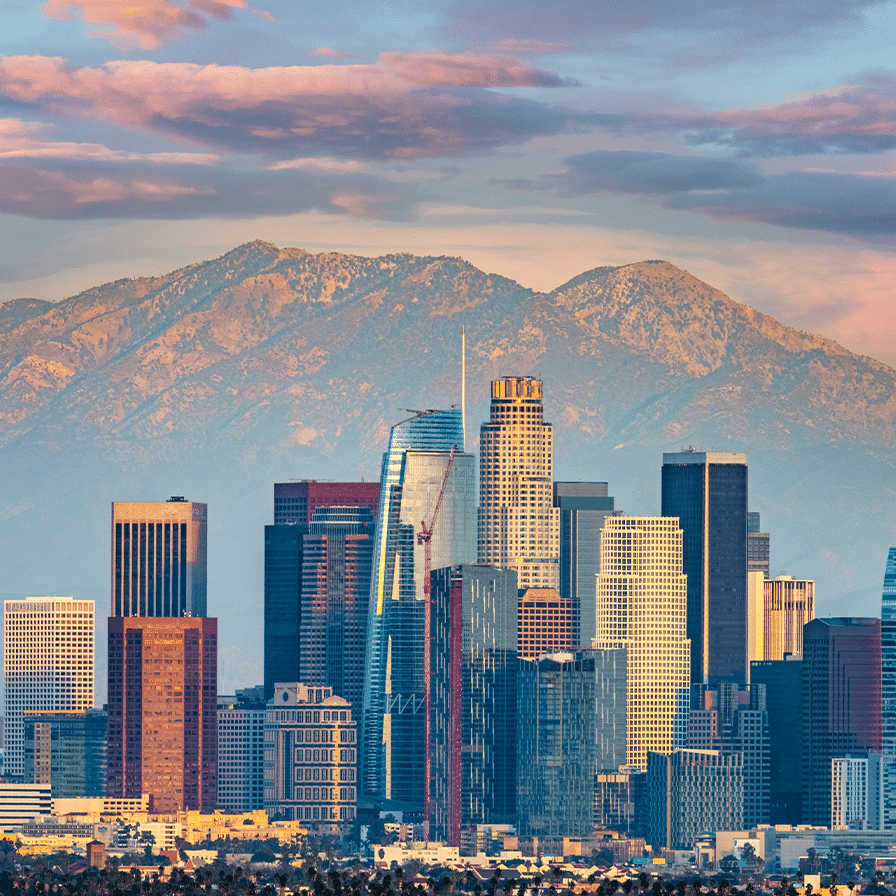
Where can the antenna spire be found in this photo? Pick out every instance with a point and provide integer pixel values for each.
(463, 383)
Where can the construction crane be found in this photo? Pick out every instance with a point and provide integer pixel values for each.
(424, 537)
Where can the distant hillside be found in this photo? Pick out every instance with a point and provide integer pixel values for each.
(218, 379)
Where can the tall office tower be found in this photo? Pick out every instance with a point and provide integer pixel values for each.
(888, 689)
(545, 623)
(67, 750)
(48, 649)
(424, 460)
(841, 695)
(336, 566)
(734, 719)
(241, 751)
(777, 610)
(782, 680)
(642, 607)
(708, 494)
(284, 547)
(758, 547)
(583, 508)
(557, 719)
(519, 527)
(620, 801)
(295, 502)
(162, 729)
(310, 756)
(159, 558)
(473, 701)
(691, 791)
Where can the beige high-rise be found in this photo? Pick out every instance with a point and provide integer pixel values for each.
(777, 610)
(642, 606)
(519, 527)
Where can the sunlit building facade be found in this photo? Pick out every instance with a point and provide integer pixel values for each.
(641, 606)
(48, 658)
(777, 610)
(545, 623)
(519, 527)
(159, 558)
(888, 690)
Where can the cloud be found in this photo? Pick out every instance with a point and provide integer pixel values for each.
(404, 106)
(849, 204)
(742, 23)
(629, 171)
(48, 189)
(31, 140)
(857, 205)
(329, 53)
(856, 118)
(146, 23)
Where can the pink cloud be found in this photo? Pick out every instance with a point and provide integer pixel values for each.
(148, 23)
(329, 53)
(31, 140)
(403, 106)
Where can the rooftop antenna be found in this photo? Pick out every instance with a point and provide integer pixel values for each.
(463, 383)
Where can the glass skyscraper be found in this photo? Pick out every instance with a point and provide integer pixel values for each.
(414, 468)
(708, 494)
(888, 688)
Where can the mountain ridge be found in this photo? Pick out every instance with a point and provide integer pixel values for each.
(223, 376)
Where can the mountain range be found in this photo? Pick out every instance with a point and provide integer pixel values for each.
(217, 380)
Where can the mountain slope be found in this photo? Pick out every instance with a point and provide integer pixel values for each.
(220, 378)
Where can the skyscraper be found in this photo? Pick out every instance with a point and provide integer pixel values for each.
(758, 546)
(545, 623)
(519, 527)
(159, 558)
(295, 502)
(284, 547)
(417, 466)
(777, 611)
(888, 689)
(641, 606)
(162, 728)
(583, 508)
(474, 662)
(708, 494)
(241, 751)
(841, 702)
(48, 653)
(336, 565)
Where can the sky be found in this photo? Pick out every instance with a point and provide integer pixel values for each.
(751, 142)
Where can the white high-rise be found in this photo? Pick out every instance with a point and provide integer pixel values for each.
(642, 606)
(48, 659)
(519, 527)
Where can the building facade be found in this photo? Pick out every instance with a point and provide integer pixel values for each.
(545, 623)
(473, 703)
(708, 494)
(66, 750)
(558, 759)
(159, 551)
(692, 791)
(888, 688)
(310, 756)
(519, 527)
(241, 753)
(583, 508)
(778, 609)
(849, 793)
(336, 565)
(424, 454)
(841, 703)
(782, 680)
(758, 546)
(48, 658)
(641, 607)
(295, 502)
(162, 725)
